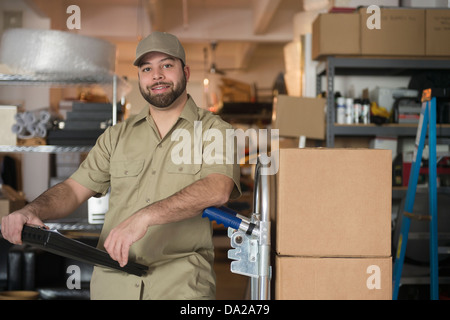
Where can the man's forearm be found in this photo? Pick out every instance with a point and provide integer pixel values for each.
(214, 190)
(57, 202)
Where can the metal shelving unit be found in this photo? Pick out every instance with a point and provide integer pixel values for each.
(44, 149)
(334, 66)
(63, 80)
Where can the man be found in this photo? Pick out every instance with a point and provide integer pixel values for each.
(155, 206)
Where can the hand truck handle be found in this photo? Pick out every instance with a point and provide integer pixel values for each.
(222, 215)
(230, 219)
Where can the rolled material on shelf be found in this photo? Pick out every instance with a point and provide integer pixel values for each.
(33, 51)
(29, 125)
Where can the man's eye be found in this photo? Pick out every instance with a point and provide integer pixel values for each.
(166, 66)
(146, 69)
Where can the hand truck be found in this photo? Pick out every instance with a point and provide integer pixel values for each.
(250, 237)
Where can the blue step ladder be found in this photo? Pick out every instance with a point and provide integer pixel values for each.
(427, 121)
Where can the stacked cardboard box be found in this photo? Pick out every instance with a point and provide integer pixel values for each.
(299, 116)
(333, 224)
(335, 34)
(402, 32)
(437, 30)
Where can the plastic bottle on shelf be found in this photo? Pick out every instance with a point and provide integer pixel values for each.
(365, 114)
(349, 110)
(340, 110)
(357, 108)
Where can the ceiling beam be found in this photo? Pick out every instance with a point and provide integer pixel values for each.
(155, 12)
(263, 12)
(245, 55)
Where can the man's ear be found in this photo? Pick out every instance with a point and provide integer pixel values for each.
(187, 72)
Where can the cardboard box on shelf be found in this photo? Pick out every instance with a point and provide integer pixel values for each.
(360, 3)
(425, 4)
(7, 120)
(336, 34)
(309, 5)
(401, 33)
(437, 28)
(296, 116)
(334, 202)
(307, 278)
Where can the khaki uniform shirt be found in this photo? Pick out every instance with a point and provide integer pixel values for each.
(133, 161)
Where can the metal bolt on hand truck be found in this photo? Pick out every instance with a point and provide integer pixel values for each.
(250, 237)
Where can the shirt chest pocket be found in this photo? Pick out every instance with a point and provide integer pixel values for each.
(182, 175)
(125, 176)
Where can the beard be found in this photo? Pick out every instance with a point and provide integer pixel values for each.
(164, 100)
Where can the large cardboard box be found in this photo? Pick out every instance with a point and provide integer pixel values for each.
(335, 34)
(334, 202)
(306, 278)
(299, 116)
(437, 26)
(401, 33)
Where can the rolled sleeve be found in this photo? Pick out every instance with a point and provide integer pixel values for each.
(94, 171)
(219, 157)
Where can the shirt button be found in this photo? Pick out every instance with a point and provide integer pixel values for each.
(147, 200)
(180, 169)
(153, 172)
(126, 172)
(137, 285)
(160, 146)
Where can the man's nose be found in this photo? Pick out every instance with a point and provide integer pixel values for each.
(157, 74)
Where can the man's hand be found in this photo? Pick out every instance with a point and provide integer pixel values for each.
(120, 239)
(55, 203)
(13, 223)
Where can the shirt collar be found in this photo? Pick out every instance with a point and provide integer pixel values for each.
(189, 113)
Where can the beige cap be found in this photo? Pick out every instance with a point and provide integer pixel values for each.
(161, 42)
